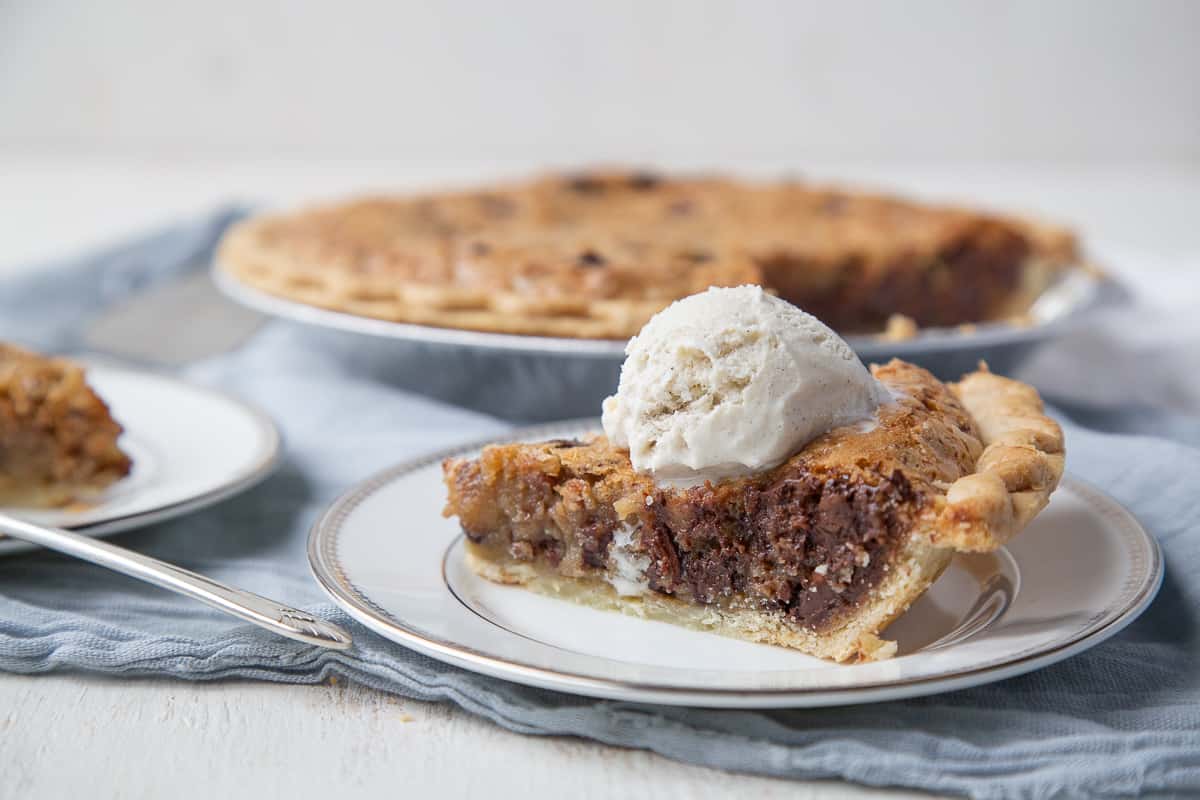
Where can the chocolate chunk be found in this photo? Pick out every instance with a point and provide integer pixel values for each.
(590, 258)
(663, 572)
(585, 184)
(710, 575)
(594, 540)
(559, 444)
(551, 550)
(644, 181)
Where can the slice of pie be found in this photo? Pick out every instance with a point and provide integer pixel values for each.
(819, 554)
(58, 441)
(596, 254)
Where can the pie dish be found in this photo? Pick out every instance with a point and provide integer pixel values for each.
(58, 441)
(595, 255)
(819, 554)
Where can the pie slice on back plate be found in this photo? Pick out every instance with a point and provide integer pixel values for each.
(58, 441)
(819, 554)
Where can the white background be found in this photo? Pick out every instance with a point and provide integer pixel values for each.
(119, 115)
(534, 81)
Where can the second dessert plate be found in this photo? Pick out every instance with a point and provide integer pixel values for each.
(1082, 571)
(191, 447)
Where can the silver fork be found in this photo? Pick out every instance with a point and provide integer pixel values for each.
(265, 613)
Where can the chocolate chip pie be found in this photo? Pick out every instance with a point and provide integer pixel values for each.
(58, 441)
(596, 254)
(819, 553)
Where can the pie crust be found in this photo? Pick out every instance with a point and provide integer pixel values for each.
(819, 554)
(595, 255)
(58, 441)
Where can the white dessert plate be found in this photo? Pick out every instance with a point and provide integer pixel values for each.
(1083, 571)
(191, 447)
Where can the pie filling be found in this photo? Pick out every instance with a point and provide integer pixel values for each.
(36, 471)
(976, 280)
(807, 546)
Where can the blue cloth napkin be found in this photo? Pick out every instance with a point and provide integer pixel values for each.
(1122, 718)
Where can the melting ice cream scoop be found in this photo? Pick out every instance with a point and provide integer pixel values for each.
(732, 382)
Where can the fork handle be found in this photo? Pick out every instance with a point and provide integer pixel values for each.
(261, 611)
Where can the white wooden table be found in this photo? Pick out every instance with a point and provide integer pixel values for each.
(76, 735)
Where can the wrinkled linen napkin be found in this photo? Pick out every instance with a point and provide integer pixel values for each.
(1121, 718)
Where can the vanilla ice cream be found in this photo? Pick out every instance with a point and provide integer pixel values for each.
(732, 382)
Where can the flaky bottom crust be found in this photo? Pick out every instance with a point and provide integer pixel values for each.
(852, 638)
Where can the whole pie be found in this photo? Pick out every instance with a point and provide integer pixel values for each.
(818, 554)
(596, 254)
(58, 441)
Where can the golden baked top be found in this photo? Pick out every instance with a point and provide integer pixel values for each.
(596, 254)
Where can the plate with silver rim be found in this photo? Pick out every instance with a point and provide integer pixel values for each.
(1083, 570)
(191, 447)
